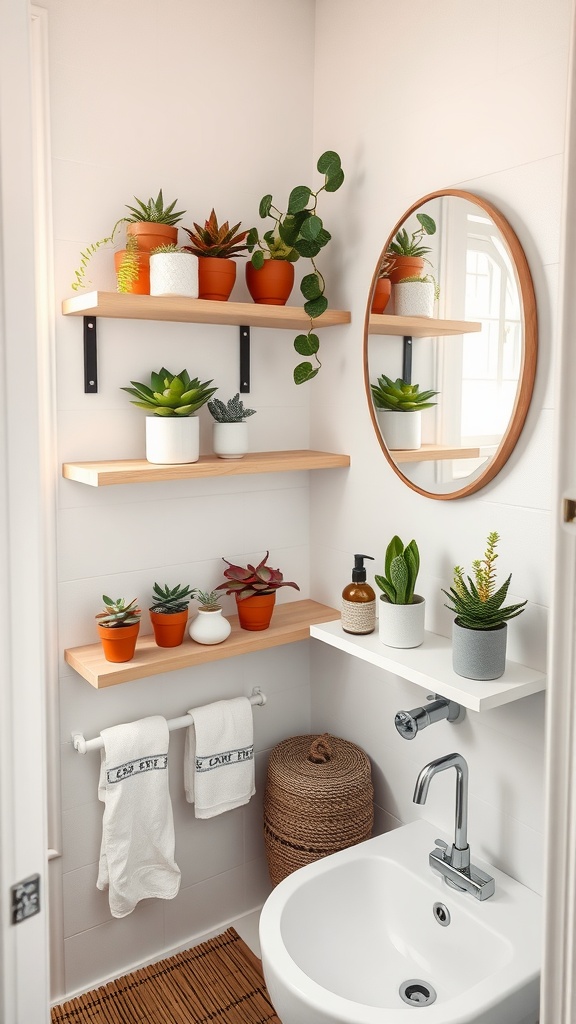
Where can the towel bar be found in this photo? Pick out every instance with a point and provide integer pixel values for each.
(83, 746)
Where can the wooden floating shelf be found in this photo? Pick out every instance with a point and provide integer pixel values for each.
(197, 311)
(435, 453)
(430, 666)
(290, 623)
(419, 326)
(136, 471)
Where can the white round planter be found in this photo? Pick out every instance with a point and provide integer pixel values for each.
(209, 627)
(479, 653)
(174, 273)
(172, 440)
(401, 430)
(414, 298)
(230, 440)
(401, 625)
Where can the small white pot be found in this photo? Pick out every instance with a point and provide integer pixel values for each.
(172, 440)
(209, 627)
(414, 298)
(230, 440)
(174, 273)
(401, 430)
(401, 625)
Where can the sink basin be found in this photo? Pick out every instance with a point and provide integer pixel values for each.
(341, 937)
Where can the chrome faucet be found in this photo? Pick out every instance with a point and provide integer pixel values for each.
(454, 863)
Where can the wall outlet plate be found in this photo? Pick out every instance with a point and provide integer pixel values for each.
(25, 901)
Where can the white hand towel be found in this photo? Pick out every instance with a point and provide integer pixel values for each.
(219, 757)
(137, 853)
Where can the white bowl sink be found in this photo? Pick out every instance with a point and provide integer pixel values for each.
(341, 936)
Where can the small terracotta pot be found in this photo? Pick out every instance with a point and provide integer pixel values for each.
(141, 285)
(151, 235)
(406, 266)
(216, 278)
(271, 284)
(382, 293)
(169, 628)
(118, 642)
(256, 612)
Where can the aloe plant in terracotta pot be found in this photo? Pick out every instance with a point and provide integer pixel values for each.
(118, 627)
(215, 245)
(408, 251)
(254, 587)
(169, 613)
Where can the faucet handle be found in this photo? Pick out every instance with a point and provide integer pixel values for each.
(442, 846)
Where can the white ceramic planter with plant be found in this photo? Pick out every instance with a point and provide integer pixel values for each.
(230, 432)
(399, 407)
(415, 296)
(173, 272)
(480, 628)
(173, 430)
(401, 611)
(209, 626)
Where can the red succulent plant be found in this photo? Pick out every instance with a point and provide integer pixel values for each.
(253, 580)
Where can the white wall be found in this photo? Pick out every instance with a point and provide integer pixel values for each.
(444, 95)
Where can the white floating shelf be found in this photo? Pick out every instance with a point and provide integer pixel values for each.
(430, 666)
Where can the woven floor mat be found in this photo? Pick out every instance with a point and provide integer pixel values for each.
(220, 980)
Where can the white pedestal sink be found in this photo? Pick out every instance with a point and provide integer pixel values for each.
(341, 937)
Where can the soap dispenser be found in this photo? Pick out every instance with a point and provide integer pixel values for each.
(359, 601)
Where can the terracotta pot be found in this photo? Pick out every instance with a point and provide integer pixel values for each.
(406, 266)
(169, 628)
(256, 612)
(118, 642)
(216, 278)
(381, 296)
(141, 285)
(271, 284)
(151, 235)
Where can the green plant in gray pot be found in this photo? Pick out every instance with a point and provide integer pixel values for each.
(479, 630)
(230, 434)
(401, 618)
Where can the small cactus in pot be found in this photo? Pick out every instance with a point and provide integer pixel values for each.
(169, 613)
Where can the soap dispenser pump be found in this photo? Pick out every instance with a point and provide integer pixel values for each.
(359, 601)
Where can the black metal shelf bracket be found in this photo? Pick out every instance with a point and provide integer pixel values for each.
(244, 360)
(90, 356)
(407, 359)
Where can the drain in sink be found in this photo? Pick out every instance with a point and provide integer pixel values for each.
(417, 993)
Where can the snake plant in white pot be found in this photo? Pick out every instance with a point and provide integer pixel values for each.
(173, 429)
(399, 407)
(401, 611)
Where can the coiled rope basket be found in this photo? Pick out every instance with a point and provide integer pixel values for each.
(318, 799)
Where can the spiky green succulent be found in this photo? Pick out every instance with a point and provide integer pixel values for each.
(411, 245)
(400, 396)
(477, 604)
(118, 613)
(154, 211)
(401, 566)
(210, 600)
(232, 411)
(170, 600)
(220, 241)
(171, 394)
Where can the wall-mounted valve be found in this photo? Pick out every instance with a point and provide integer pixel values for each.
(408, 723)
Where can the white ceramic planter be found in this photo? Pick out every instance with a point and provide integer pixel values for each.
(174, 273)
(401, 625)
(209, 627)
(230, 440)
(414, 298)
(172, 440)
(401, 430)
(479, 653)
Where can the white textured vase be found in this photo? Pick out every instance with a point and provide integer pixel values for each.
(414, 298)
(174, 273)
(401, 430)
(172, 440)
(209, 627)
(401, 625)
(230, 440)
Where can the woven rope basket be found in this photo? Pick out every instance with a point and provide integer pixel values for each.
(318, 800)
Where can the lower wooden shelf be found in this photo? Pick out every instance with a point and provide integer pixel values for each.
(290, 623)
(435, 453)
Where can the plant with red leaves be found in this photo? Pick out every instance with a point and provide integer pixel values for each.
(253, 580)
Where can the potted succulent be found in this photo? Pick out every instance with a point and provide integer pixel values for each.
(479, 630)
(383, 286)
(215, 245)
(407, 250)
(399, 409)
(401, 610)
(416, 295)
(148, 225)
(298, 233)
(173, 430)
(118, 627)
(209, 626)
(169, 613)
(230, 435)
(254, 588)
(173, 271)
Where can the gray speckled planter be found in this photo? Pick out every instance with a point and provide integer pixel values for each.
(479, 653)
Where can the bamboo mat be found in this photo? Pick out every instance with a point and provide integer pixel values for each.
(220, 980)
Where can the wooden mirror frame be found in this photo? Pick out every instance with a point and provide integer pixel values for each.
(529, 347)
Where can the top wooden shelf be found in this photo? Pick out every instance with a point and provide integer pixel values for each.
(419, 326)
(196, 311)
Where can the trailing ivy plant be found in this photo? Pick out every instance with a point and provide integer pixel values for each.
(300, 232)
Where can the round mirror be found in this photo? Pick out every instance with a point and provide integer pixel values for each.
(450, 344)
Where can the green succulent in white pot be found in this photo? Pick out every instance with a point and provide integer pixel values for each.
(401, 611)
(172, 429)
(399, 406)
(416, 295)
(230, 434)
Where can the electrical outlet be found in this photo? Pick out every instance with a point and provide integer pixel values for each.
(25, 898)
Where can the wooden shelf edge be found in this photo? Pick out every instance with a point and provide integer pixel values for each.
(419, 326)
(290, 623)
(435, 453)
(132, 471)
